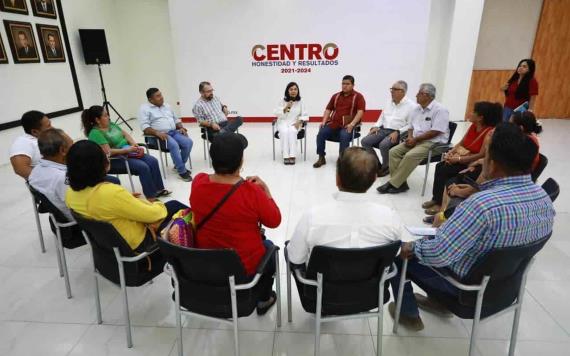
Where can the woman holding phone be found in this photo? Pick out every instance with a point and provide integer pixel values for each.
(288, 112)
(520, 88)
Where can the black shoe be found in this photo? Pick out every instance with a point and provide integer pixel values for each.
(393, 190)
(320, 162)
(383, 172)
(383, 189)
(186, 176)
(263, 307)
(429, 219)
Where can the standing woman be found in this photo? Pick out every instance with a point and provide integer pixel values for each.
(520, 88)
(116, 142)
(288, 113)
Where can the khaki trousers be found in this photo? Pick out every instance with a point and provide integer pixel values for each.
(403, 160)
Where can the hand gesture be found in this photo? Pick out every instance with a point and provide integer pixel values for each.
(373, 130)
(505, 87)
(461, 190)
(410, 142)
(349, 128)
(215, 127)
(394, 136)
(162, 135)
(183, 131)
(407, 251)
(256, 180)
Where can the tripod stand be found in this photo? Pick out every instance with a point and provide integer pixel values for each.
(106, 103)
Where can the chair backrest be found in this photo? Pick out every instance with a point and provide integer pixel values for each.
(351, 277)
(203, 277)
(542, 163)
(48, 205)
(505, 267)
(551, 188)
(452, 128)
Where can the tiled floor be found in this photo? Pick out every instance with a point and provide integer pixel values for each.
(37, 319)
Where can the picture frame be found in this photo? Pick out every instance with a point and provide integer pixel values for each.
(44, 8)
(3, 54)
(22, 41)
(51, 43)
(14, 6)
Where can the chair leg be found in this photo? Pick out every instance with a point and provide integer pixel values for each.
(476, 320)
(289, 310)
(58, 253)
(204, 147)
(380, 316)
(234, 314)
(125, 299)
(162, 164)
(278, 288)
(318, 314)
(39, 226)
(178, 319)
(400, 296)
(130, 176)
(61, 253)
(427, 172)
(518, 310)
(273, 137)
(305, 143)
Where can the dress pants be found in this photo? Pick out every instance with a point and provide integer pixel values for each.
(403, 160)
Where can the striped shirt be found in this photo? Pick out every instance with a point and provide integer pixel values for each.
(510, 211)
(209, 110)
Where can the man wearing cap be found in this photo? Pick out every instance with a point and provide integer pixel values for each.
(242, 205)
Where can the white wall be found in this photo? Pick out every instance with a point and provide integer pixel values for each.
(507, 33)
(380, 41)
(145, 61)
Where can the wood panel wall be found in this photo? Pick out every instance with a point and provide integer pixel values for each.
(486, 86)
(552, 55)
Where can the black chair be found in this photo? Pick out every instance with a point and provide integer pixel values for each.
(206, 141)
(301, 135)
(542, 163)
(114, 260)
(344, 283)
(38, 209)
(212, 284)
(441, 149)
(67, 234)
(494, 286)
(551, 188)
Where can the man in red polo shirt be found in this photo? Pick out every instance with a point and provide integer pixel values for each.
(343, 113)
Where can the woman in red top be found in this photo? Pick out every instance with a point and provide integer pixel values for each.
(484, 118)
(527, 123)
(520, 88)
(236, 224)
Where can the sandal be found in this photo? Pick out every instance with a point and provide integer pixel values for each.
(263, 307)
(163, 193)
(433, 210)
(428, 204)
(429, 219)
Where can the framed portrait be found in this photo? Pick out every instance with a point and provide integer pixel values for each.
(50, 43)
(44, 8)
(3, 55)
(22, 42)
(15, 6)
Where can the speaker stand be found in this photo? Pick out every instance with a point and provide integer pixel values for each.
(106, 103)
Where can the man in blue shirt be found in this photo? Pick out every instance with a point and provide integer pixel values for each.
(156, 118)
(509, 210)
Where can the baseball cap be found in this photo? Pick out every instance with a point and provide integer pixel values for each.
(227, 149)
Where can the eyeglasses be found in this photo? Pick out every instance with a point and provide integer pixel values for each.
(396, 89)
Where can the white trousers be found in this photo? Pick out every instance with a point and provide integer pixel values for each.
(288, 138)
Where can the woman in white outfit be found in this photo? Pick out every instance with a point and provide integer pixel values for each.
(288, 113)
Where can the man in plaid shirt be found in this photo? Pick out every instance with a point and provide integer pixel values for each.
(509, 210)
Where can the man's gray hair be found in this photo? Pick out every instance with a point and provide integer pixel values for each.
(403, 84)
(50, 142)
(428, 88)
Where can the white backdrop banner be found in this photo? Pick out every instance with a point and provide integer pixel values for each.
(249, 50)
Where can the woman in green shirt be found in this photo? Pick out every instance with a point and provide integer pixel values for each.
(115, 142)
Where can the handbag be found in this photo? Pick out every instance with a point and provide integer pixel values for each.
(139, 153)
(182, 230)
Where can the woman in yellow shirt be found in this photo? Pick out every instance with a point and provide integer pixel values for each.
(92, 197)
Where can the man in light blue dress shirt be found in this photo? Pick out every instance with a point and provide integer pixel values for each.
(156, 118)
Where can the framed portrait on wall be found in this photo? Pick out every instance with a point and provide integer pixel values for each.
(50, 43)
(44, 8)
(3, 55)
(15, 6)
(22, 42)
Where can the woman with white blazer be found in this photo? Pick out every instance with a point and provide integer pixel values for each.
(289, 113)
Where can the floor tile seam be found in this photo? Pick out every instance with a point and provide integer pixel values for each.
(537, 300)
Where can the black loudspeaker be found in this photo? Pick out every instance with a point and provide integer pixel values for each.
(94, 46)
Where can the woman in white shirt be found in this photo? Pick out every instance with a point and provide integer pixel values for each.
(289, 112)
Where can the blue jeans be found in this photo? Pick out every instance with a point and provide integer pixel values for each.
(326, 133)
(418, 272)
(179, 146)
(146, 168)
(507, 112)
